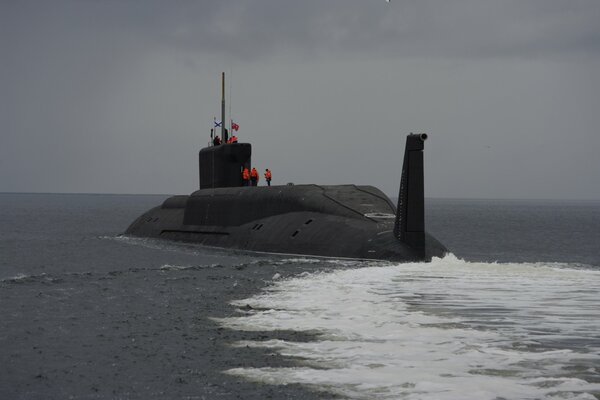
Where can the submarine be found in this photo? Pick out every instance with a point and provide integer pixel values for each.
(339, 221)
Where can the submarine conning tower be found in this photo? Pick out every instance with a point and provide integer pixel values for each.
(221, 166)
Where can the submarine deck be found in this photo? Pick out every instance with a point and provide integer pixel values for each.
(240, 205)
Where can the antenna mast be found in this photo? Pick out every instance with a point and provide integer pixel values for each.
(223, 130)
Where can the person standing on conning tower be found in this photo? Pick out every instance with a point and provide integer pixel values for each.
(246, 177)
(268, 176)
(232, 139)
(254, 177)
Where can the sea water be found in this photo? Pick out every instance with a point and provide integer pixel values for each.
(448, 329)
(511, 313)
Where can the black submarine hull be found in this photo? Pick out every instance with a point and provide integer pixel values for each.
(343, 221)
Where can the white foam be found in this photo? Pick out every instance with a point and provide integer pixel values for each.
(20, 278)
(445, 330)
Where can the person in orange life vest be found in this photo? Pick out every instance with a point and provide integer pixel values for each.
(234, 139)
(268, 176)
(254, 176)
(246, 177)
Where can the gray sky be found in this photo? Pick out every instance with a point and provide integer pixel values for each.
(118, 96)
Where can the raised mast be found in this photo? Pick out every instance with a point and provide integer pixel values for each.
(223, 130)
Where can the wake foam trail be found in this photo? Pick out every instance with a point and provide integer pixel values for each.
(445, 330)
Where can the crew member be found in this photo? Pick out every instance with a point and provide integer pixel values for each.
(254, 177)
(246, 177)
(216, 141)
(268, 176)
(234, 139)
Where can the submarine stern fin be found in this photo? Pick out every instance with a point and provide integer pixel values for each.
(409, 227)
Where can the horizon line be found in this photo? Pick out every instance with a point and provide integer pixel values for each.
(391, 197)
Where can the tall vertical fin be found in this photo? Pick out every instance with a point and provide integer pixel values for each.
(410, 213)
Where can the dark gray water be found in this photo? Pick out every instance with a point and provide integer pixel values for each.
(518, 230)
(89, 314)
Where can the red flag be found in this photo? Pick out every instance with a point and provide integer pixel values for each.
(234, 126)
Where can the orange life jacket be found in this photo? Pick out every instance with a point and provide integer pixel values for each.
(268, 175)
(246, 174)
(234, 139)
(254, 174)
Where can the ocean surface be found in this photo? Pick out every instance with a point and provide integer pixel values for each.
(512, 313)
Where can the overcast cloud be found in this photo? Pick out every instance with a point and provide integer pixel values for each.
(118, 96)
